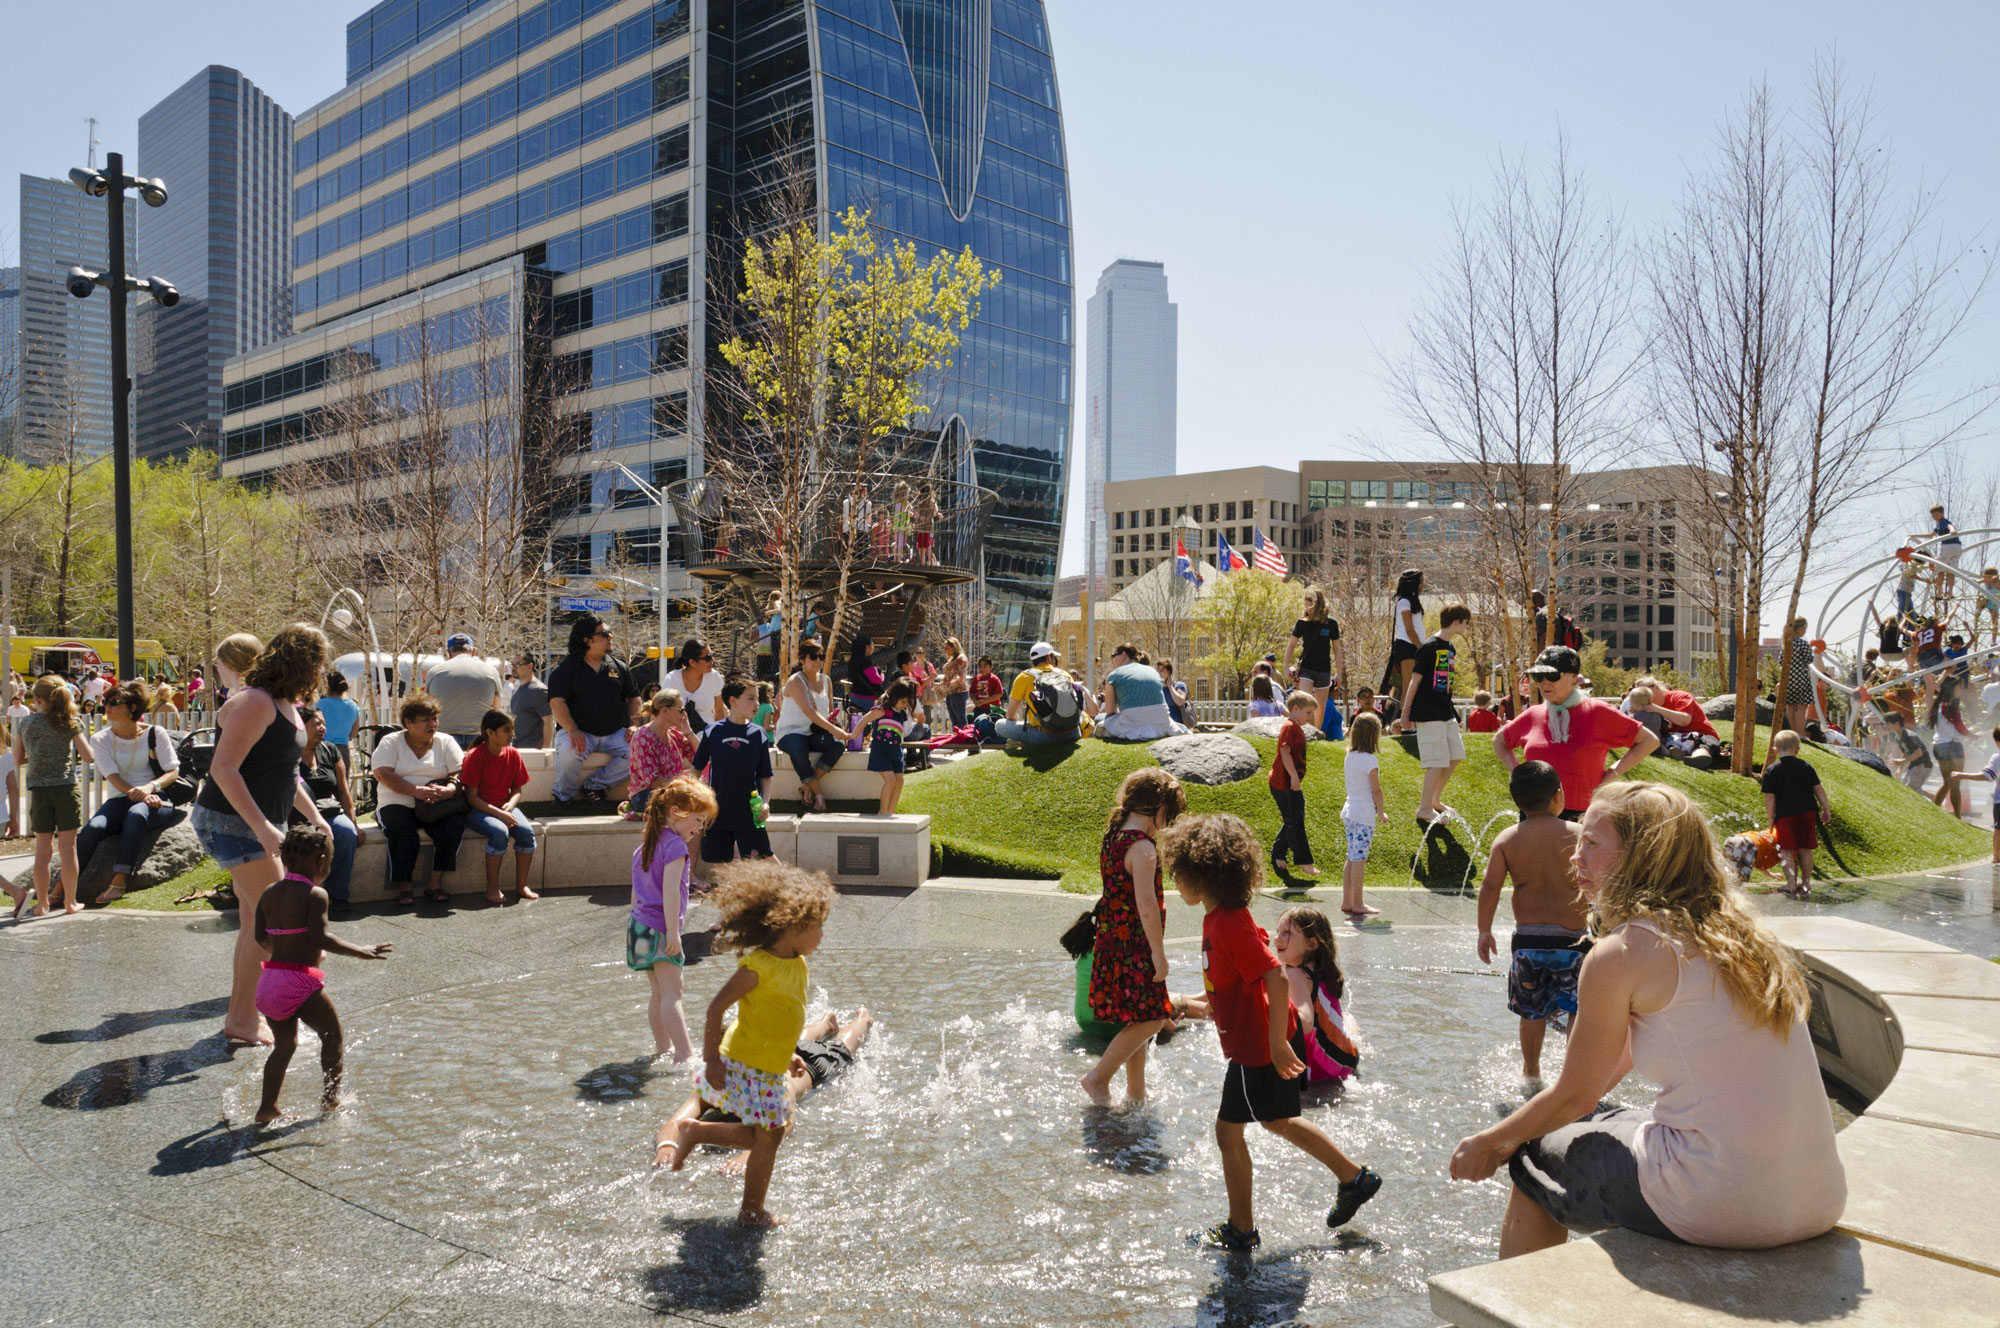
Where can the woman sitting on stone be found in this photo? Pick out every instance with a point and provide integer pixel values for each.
(419, 767)
(323, 767)
(1686, 986)
(138, 760)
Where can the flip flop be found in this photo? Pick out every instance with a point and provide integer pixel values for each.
(407, 898)
(434, 895)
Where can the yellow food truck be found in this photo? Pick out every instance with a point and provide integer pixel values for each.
(33, 656)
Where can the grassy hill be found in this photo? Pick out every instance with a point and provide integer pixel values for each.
(1042, 813)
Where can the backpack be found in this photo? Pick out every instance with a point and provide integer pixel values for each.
(1564, 632)
(1055, 703)
(195, 751)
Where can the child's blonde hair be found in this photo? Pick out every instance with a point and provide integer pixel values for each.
(54, 693)
(1785, 741)
(237, 653)
(1482, 699)
(681, 796)
(1365, 733)
(762, 900)
(667, 698)
(1301, 700)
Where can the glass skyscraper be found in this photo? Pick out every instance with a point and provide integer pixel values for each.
(224, 241)
(64, 387)
(616, 150)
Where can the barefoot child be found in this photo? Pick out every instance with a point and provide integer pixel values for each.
(1549, 915)
(48, 744)
(1427, 707)
(1288, 786)
(887, 725)
(776, 914)
(1793, 799)
(1128, 969)
(291, 924)
(1365, 808)
(827, 1050)
(1324, 1038)
(494, 775)
(675, 817)
(1215, 862)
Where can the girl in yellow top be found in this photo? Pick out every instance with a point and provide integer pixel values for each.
(776, 914)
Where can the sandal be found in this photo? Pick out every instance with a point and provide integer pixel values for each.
(436, 895)
(110, 895)
(407, 897)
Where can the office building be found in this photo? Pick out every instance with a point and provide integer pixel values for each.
(1225, 504)
(65, 358)
(224, 241)
(10, 355)
(1130, 386)
(567, 182)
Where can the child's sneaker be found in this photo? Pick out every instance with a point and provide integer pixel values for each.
(625, 810)
(1352, 1194)
(1224, 1236)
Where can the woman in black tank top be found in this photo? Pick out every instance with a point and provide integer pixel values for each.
(253, 783)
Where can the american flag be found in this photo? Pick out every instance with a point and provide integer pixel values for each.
(1266, 556)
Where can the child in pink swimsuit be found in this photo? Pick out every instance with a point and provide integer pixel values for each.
(291, 924)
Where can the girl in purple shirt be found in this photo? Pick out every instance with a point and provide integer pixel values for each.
(675, 817)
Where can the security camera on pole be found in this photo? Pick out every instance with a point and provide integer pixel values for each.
(110, 184)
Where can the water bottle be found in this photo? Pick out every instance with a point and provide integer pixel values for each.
(758, 814)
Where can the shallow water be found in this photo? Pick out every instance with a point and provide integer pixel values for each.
(955, 1175)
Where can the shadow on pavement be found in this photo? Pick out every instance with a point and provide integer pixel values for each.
(719, 1270)
(122, 1025)
(121, 1082)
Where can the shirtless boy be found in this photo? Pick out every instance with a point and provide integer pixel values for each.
(1549, 939)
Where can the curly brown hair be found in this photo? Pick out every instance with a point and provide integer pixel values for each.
(1149, 792)
(1216, 856)
(763, 899)
(292, 665)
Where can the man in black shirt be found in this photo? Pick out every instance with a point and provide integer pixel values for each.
(1427, 706)
(593, 699)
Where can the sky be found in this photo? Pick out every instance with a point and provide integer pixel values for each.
(1293, 171)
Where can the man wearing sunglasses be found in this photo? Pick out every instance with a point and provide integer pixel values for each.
(594, 699)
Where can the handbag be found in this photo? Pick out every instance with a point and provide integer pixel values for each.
(430, 813)
(177, 794)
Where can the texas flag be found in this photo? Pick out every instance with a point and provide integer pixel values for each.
(1227, 559)
(1267, 557)
(1184, 566)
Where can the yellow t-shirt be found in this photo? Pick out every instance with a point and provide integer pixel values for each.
(770, 1018)
(1024, 687)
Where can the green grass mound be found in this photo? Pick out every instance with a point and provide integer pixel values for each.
(166, 896)
(1042, 813)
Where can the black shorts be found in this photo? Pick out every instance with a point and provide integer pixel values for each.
(1586, 1175)
(1400, 650)
(720, 842)
(1257, 1093)
(825, 1058)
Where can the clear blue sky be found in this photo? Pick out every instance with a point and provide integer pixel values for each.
(1292, 171)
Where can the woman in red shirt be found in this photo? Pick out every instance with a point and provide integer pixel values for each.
(494, 775)
(1572, 731)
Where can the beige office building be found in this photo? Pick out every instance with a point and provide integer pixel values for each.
(1140, 516)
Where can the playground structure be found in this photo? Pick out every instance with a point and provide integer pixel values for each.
(1912, 584)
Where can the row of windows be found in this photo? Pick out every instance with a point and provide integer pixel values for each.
(464, 385)
(526, 150)
(1274, 511)
(1660, 641)
(439, 334)
(534, 26)
(1342, 493)
(1662, 614)
(1165, 539)
(624, 361)
(621, 297)
(610, 491)
(565, 193)
(631, 422)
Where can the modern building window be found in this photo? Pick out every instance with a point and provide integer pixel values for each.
(1631, 641)
(1666, 640)
(1666, 615)
(1118, 521)
(1229, 514)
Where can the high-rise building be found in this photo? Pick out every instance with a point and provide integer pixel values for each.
(224, 241)
(65, 360)
(1130, 388)
(610, 155)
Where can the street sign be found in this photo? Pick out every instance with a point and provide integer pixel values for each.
(584, 604)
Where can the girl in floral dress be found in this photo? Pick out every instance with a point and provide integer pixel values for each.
(1128, 972)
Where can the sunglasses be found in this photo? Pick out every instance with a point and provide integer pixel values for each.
(605, 635)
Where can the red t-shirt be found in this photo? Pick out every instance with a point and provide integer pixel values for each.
(987, 689)
(493, 778)
(1687, 705)
(1482, 720)
(1594, 729)
(1235, 956)
(1291, 738)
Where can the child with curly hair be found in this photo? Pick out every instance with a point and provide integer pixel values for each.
(1217, 863)
(676, 815)
(776, 914)
(1128, 971)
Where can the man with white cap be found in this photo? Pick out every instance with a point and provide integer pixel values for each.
(1045, 704)
(466, 687)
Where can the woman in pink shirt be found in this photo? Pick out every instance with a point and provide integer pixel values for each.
(1572, 731)
(1686, 986)
(662, 749)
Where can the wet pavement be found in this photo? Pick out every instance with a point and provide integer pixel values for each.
(491, 1162)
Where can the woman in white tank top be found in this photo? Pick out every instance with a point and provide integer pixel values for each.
(1737, 1150)
(806, 732)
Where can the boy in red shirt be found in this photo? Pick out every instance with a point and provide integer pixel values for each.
(987, 689)
(1288, 786)
(1214, 862)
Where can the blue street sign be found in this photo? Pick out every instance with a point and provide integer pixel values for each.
(584, 604)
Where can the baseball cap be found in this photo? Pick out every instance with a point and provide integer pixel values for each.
(458, 641)
(1040, 650)
(1554, 662)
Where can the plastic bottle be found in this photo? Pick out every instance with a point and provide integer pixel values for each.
(758, 812)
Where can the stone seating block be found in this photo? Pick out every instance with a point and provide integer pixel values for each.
(585, 852)
(1898, 973)
(1946, 1023)
(1633, 1281)
(1807, 932)
(866, 849)
(784, 832)
(1924, 1189)
(1944, 1089)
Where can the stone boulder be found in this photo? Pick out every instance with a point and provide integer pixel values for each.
(1720, 709)
(1267, 726)
(1207, 758)
(1862, 756)
(173, 851)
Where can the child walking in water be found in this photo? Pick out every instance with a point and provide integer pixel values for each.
(1550, 918)
(1364, 809)
(291, 924)
(675, 817)
(1324, 1038)
(1216, 863)
(775, 914)
(1128, 968)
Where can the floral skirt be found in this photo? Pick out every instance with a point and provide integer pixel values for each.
(752, 1096)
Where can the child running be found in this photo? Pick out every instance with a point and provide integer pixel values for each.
(291, 924)
(675, 818)
(887, 725)
(1288, 786)
(1793, 799)
(1128, 970)
(1550, 919)
(48, 744)
(827, 1049)
(1215, 862)
(1325, 1036)
(1365, 808)
(777, 914)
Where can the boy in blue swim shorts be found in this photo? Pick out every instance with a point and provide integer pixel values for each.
(1550, 920)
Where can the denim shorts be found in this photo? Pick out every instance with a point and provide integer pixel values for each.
(225, 837)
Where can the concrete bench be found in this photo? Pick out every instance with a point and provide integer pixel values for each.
(850, 780)
(1907, 1027)
(858, 848)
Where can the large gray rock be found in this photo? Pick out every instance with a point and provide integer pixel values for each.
(1862, 756)
(1207, 758)
(173, 851)
(1267, 726)
(1724, 708)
